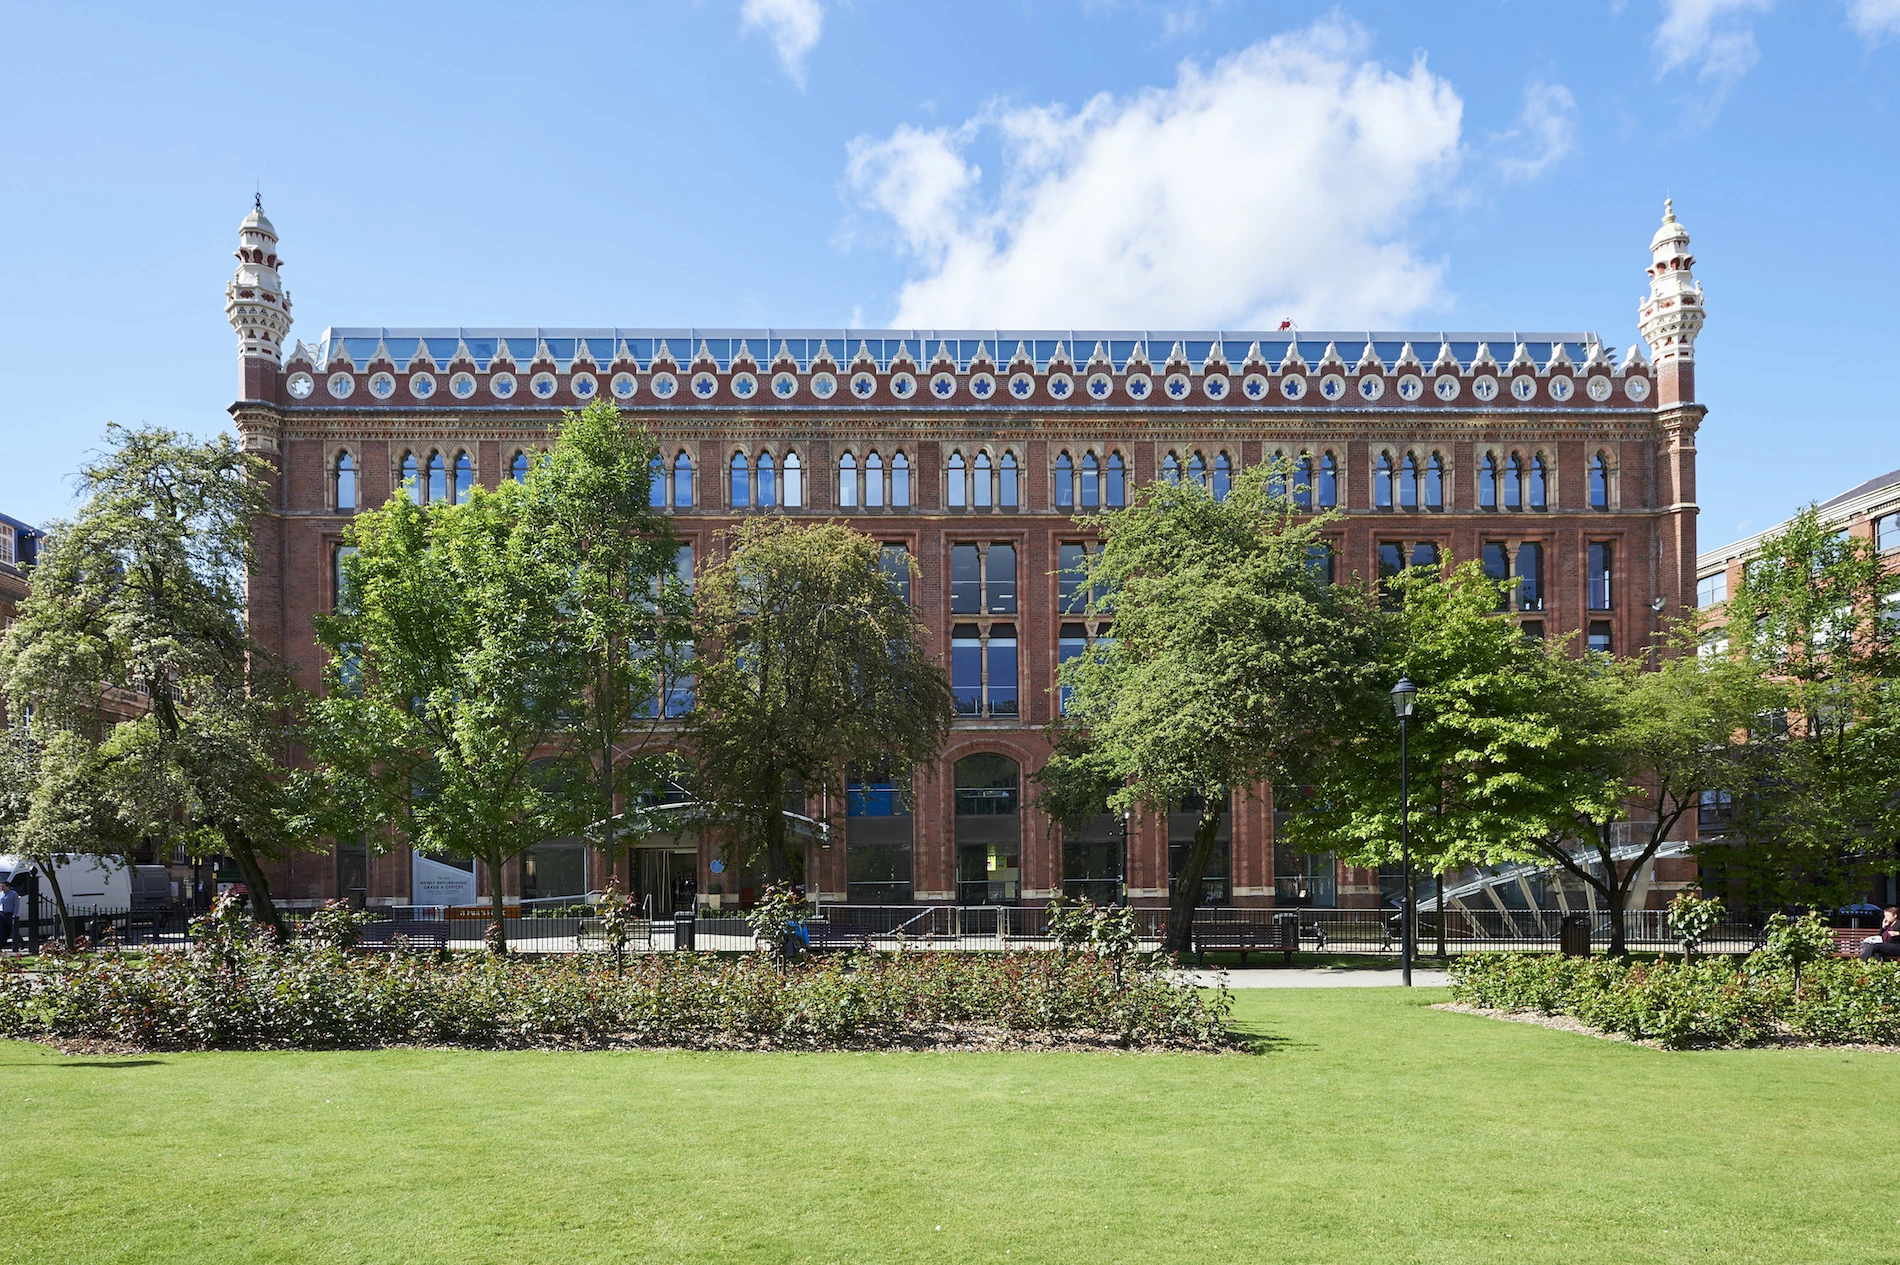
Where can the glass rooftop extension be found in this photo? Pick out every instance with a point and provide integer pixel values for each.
(923, 348)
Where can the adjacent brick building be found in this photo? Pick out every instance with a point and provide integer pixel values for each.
(1556, 460)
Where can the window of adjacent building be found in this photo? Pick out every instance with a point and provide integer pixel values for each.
(1712, 590)
(1382, 482)
(1091, 482)
(1094, 858)
(1171, 468)
(1303, 878)
(1530, 576)
(1497, 566)
(1328, 482)
(1488, 482)
(1006, 485)
(966, 580)
(1319, 562)
(1116, 491)
(1533, 629)
(1601, 637)
(1435, 483)
(848, 481)
(1535, 494)
(464, 479)
(873, 480)
(879, 841)
(1223, 476)
(999, 579)
(956, 483)
(1072, 642)
(1065, 481)
(741, 482)
(900, 479)
(1303, 483)
(1887, 532)
(678, 687)
(1714, 809)
(411, 477)
(1408, 482)
(438, 479)
(339, 583)
(1397, 556)
(988, 830)
(1600, 482)
(345, 478)
(7, 554)
(1513, 483)
(980, 489)
(894, 560)
(682, 480)
(767, 483)
(656, 483)
(983, 669)
(1602, 558)
(1197, 468)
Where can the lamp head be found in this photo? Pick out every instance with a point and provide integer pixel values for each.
(1403, 695)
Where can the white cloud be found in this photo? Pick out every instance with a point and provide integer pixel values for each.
(1546, 130)
(1873, 19)
(793, 26)
(1717, 37)
(1278, 182)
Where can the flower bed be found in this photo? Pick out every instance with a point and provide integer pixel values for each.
(1709, 1002)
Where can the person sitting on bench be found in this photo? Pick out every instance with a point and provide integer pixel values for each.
(1885, 946)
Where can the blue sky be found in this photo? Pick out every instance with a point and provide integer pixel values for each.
(833, 162)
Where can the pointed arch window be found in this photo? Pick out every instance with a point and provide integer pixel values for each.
(518, 468)
(1065, 481)
(1091, 482)
(682, 481)
(1382, 483)
(767, 482)
(980, 482)
(411, 482)
(1276, 479)
(900, 480)
(873, 480)
(1197, 468)
(1171, 468)
(1224, 476)
(345, 476)
(1537, 489)
(464, 479)
(656, 483)
(1328, 481)
(741, 482)
(438, 489)
(1006, 481)
(1408, 482)
(1435, 483)
(1513, 483)
(1600, 482)
(1488, 482)
(1117, 490)
(794, 482)
(1303, 483)
(848, 480)
(957, 486)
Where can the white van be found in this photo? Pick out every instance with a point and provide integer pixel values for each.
(98, 882)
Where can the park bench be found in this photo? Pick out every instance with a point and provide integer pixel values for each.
(1847, 940)
(830, 937)
(1282, 935)
(418, 935)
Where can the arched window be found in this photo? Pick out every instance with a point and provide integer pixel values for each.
(1117, 490)
(741, 482)
(345, 481)
(1197, 468)
(1435, 483)
(767, 482)
(1171, 468)
(1488, 482)
(794, 482)
(1276, 479)
(438, 479)
(656, 483)
(1535, 499)
(1006, 479)
(980, 482)
(1091, 482)
(957, 486)
(518, 469)
(464, 478)
(847, 480)
(988, 827)
(874, 479)
(1600, 482)
(1328, 482)
(1065, 481)
(900, 479)
(411, 482)
(1513, 483)
(1303, 483)
(1382, 482)
(1408, 483)
(1224, 476)
(682, 481)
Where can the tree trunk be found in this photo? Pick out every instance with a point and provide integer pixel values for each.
(1184, 894)
(778, 865)
(498, 911)
(263, 908)
(59, 903)
(1440, 878)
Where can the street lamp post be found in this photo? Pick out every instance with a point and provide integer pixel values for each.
(1403, 695)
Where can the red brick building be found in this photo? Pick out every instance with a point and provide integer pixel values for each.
(1560, 463)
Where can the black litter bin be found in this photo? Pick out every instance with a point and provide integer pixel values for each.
(683, 928)
(1573, 935)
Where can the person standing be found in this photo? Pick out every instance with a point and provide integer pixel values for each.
(9, 914)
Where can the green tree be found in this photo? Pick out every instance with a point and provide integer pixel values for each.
(812, 665)
(143, 592)
(1233, 658)
(1814, 801)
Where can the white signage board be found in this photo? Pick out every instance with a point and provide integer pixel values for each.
(433, 883)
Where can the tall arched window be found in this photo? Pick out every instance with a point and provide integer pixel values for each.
(874, 479)
(1435, 483)
(1328, 482)
(741, 482)
(1171, 468)
(1408, 483)
(957, 485)
(1117, 490)
(980, 481)
(1091, 482)
(682, 481)
(518, 468)
(900, 479)
(1006, 481)
(464, 478)
(847, 480)
(411, 479)
(1513, 483)
(1382, 482)
(438, 478)
(1488, 482)
(1303, 483)
(794, 482)
(1600, 482)
(1224, 476)
(1535, 499)
(1065, 481)
(1197, 468)
(656, 483)
(1276, 481)
(767, 482)
(345, 481)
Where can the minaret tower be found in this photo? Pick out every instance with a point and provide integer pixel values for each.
(1671, 315)
(258, 307)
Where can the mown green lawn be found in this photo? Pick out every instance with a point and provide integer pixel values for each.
(1373, 1129)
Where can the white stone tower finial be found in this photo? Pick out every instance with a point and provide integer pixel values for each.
(257, 305)
(1671, 315)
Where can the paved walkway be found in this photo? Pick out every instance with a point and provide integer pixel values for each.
(1317, 977)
